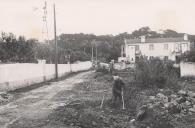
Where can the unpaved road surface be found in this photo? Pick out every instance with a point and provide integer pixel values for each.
(37, 104)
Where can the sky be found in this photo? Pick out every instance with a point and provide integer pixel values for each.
(24, 17)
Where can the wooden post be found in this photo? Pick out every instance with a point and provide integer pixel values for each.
(102, 102)
(56, 45)
(123, 99)
(96, 52)
(92, 52)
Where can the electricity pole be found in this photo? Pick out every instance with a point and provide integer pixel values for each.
(84, 50)
(96, 52)
(93, 43)
(92, 52)
(56, 45)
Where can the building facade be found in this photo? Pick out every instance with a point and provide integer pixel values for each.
(164, 48)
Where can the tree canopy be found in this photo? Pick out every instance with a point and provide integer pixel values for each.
(72, 47)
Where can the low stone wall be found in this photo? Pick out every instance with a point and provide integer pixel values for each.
(13, 76)
(187, 69)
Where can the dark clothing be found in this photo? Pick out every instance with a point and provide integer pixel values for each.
(118, 85)
(117, 90)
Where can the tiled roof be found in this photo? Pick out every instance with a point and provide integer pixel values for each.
(155, 40)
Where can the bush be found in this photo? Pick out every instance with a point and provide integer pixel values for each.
(155, 72)
(188, 56)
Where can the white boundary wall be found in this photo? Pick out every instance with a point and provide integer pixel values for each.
(187, 69)
(13, 76)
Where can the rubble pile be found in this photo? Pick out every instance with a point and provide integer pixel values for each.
(167, 109)
(182, 102)
(4, 97)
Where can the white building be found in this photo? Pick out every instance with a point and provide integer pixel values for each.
(164, 48)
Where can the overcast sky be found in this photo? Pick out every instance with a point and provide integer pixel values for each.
(24, 17)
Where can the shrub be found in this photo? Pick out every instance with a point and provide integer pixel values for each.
(155, 72)
(188, 56)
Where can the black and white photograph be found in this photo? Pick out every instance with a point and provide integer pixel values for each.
(97, 64)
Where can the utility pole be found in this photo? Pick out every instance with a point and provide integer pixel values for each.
(70, 63)
(96, 51)
(92, 52)
(93, 43)
(69, 59)
(56, 45)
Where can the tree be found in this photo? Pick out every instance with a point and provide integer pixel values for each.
(171, 33)
(144, 31)
(109, 46)
(189, 56)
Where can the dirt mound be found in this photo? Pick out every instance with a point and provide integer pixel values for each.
(5, 97)
(89, 115)
(86, 113)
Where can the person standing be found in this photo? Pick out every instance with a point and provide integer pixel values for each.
(117, 90)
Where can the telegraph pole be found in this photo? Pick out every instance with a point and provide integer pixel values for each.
(56, 45)
(93, 43)
(84, 50)
(92, 52)
(96, 50)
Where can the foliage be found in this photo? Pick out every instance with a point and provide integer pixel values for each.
(145, 31)
(78, 46)
(189, 56)
(79, 55)
(155, 73)
(16, 50)
(108, 47)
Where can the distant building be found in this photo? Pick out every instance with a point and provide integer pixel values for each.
(164, 48)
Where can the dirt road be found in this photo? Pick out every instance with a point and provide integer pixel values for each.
(37, 104)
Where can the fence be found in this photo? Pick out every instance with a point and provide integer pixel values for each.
(13, 76)
(187, 69)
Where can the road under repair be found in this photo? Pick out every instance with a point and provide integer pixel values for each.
(38, 103)
(75, 102)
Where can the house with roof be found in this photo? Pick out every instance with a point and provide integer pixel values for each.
(164, 48)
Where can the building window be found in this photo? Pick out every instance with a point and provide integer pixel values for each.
(166, 58)
(166, 46)
(137, 47)
(177, 47)
(136, 58)
(151, 47)
(184, 47)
